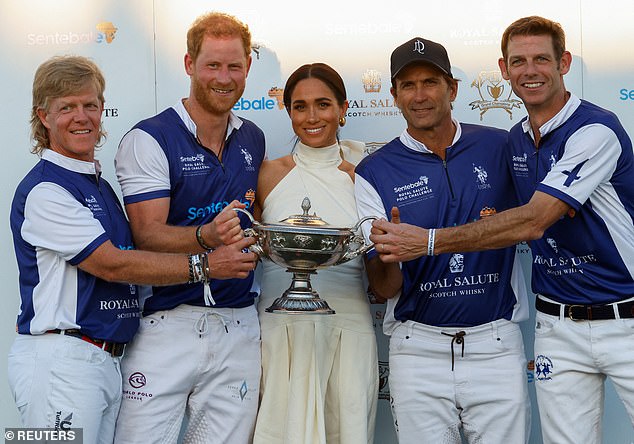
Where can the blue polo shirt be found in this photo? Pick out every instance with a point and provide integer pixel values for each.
(161, 157)
(63, 211)
(473, 181)
(584, 159)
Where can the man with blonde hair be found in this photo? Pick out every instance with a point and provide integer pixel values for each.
(198, 348)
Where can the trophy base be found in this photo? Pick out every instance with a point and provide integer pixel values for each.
(300, 298)
(290, 305)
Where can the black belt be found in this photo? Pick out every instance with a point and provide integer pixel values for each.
(586, 312)
(116, 349)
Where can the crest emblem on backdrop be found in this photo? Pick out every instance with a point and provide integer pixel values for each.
(495, 92)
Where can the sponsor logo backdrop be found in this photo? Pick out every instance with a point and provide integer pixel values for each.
(140, 47)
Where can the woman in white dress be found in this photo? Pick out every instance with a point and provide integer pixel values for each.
(320, 372)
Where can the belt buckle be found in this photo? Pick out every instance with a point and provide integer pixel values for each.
(117, 349)
(570, 308)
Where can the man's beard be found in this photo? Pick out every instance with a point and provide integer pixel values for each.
(215, 105)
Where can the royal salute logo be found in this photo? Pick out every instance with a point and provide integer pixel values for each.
(371, 79)
(552, 244)
(456, 263)
(495, 92)
(379, 106)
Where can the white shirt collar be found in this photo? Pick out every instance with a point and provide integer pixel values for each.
(179, 107)
(78, 166)
(557, 120)
(417, 145)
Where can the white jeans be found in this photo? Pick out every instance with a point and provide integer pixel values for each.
(485, 394)
(572, 360)
(62, 382)
(196, 360)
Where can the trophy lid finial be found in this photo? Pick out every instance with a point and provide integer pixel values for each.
(305, 219)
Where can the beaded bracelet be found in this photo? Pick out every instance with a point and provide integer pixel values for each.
(199, 238)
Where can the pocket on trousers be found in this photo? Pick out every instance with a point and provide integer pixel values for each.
(21, 368)
(545, 324)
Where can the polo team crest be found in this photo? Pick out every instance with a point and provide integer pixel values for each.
(543, 368)
(481, 177)
(491, 87)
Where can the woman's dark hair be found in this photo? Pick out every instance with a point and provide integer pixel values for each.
(319, 71)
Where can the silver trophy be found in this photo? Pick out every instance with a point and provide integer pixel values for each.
(303, 244)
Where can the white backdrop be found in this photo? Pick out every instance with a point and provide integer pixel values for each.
(140, 46)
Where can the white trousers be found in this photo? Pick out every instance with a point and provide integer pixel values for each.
(572, 360)
(485, 395)
(62, 382)
(203, 362)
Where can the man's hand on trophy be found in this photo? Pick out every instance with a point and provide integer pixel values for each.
(230, 261)
(224, 229)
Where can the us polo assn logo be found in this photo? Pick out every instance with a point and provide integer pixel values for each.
(481, 177)
(248, 159)
(543, 368)
(491, 87)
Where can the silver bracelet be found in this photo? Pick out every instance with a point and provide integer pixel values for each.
(431, 239)
(196, 271)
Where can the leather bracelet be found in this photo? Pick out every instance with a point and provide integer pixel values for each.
(199, 238)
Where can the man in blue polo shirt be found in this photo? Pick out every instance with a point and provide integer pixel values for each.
(457, 359)
(198, 347)
(573, 168)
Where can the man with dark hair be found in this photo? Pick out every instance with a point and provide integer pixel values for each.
(573, 169)
(182, 172)
(457, 361)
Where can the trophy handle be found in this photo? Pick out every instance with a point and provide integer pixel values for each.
(357, 239)
(250, 232)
